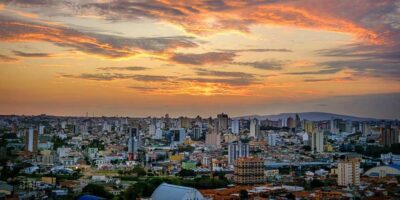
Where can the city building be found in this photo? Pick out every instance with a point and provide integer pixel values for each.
(290, 123)
(349, 171)
(168, 191)
(31, 141)
(317, 141)
(389, 136)
(213, 138)
(272, 137)
(222, 122)
(254, 128)
(235, 128)
(133, 143)
(237, 149)
(392, 170)
(249, 170)
(178, 135)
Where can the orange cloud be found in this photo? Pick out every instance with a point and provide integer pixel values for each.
(104, 45)
(204, 17)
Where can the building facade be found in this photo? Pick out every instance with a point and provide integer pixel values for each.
(249, 171)
(349, 172)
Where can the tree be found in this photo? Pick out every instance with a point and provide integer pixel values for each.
(315, 183)
(186, 172)
(243, 195)
(307, 148)
(139, 171)
(290, 196)
(97, 190)
(130, 193)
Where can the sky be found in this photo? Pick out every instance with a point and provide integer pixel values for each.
(199, 57)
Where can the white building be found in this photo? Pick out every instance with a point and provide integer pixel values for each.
(349, 172)
(272, 139)
(317, 142)
(152, 129)
(235, 126)
(167, 192)
(254, 128)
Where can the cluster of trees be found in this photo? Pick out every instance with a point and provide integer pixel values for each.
(185, 148)
(186, 173)
(58, 142)
(139, 171)
(97, 144)
(376, 151)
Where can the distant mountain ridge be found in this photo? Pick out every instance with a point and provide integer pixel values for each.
(313, 116)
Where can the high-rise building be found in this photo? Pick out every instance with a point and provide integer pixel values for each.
(237, 149)
(308, 126)
(222, 122)
(133, 143)
(235, 126)
(254, 128)
(31, 141)
(349, 172)
(184, 122)
(272, 139)
(197, 133)
(298, 122)
(213, 138)
(41, 130)
(152, 129)
(364, 128)
(317, 141)
(178, 135)
(290, 122)
(249, 170)
(389, 136)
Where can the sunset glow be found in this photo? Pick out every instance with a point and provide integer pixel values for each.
(140, 58)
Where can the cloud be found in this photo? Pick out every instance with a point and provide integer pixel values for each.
(31, 55)
(205, 72)
(264, 65)
(151, 78)
(202, 17)
(109, 46)
(329, 79)
(319, 72)
(368, 22)
(134, 68)
(255, 50)
(117, 76)
(203, 58)
(5, 58)
(225, 81)
(366, 60)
